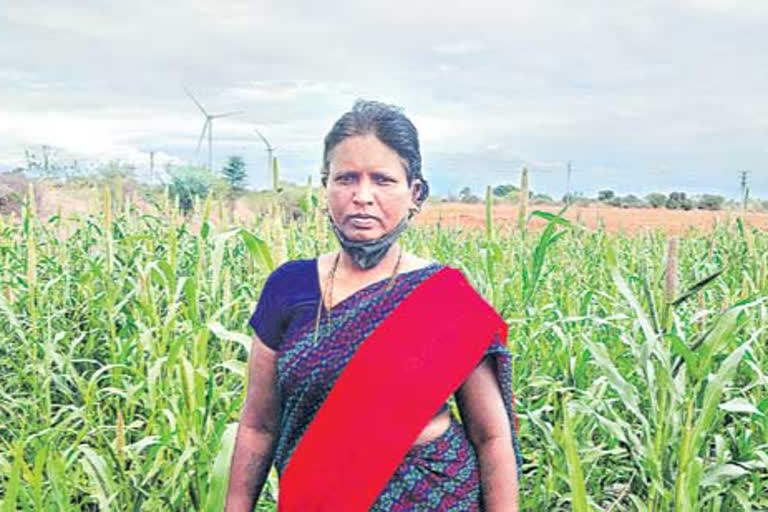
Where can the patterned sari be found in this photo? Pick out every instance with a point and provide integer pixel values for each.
(328, 456)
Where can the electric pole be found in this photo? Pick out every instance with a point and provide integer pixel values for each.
(568, 183)
(744, 190)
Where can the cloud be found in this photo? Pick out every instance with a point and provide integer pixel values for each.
(618, 88)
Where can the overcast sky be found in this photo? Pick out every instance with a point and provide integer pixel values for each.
(639, 95)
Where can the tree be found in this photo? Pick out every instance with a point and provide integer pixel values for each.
(628, 201)
(575, 197)
(542, 198)
(631, 201)
(51, 163)
(466, 196)
(710, 202)
(234, 172)
(504, 190)
(187, 183)
(656, 199)
(605, 195)
(678, 201)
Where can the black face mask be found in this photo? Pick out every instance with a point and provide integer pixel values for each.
(368, 253)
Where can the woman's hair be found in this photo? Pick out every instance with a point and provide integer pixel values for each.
(390, 126)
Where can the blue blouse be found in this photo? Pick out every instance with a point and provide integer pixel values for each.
(287, 302)
(289, 299)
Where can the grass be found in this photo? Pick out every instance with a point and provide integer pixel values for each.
(639, 365)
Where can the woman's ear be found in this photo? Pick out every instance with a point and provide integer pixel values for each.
(416, 192)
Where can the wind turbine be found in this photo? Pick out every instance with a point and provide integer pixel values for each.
(208, 126)
(270, 158)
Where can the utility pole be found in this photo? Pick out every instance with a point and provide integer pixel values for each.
(744, 190)
(568, 183)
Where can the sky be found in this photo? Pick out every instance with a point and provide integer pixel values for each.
(640, 96)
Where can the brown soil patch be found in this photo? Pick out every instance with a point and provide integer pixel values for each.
(614, 220)
(84, 199)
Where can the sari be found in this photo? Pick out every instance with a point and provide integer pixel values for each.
(356, 394)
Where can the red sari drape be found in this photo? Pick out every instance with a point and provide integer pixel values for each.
(401, 374)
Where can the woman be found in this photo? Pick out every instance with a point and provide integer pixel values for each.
(355, 351)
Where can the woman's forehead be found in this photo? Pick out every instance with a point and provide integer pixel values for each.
(365, 153)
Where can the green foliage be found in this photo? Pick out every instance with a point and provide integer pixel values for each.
(710, 202)
(123, 350)
(542, 199)
(678, 201)
(191, 183)
(504, 190)
(628, 201)
(656, 199)
(605, 195)
(276, 176)
(234, 172)
(466, 196)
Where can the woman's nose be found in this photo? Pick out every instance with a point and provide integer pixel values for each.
(364, 193)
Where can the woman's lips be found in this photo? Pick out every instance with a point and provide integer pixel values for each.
(363, 222)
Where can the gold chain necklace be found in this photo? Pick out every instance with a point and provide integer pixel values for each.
(327, 302)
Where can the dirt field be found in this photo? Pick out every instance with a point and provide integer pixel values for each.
(629, 220)
(82, 200)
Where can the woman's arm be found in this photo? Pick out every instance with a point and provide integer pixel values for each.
(482, 410)
(257, 432)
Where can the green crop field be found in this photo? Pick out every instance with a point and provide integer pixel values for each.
(639, 362)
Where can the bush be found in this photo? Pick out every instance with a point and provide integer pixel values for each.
(656, 199)
(466, 196)
(678, 201)
(605, 195)
(710, 202)
(628, 201)
(13, 189)
(542, 199)
(189, 182)
(504, 190)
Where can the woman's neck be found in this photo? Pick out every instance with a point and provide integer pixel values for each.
(384, 268)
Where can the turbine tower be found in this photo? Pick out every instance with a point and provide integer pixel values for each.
(270, 157)
(208, 127)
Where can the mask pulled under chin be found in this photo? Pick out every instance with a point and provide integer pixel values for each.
(368, 253)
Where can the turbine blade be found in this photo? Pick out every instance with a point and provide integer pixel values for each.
(227, 114)
(266, 143)
(202, 135)
(189, 93)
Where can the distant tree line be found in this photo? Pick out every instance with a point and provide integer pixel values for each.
(507, 192)
(672, 201)
(189, 182)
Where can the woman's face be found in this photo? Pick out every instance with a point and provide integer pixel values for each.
(368, 193)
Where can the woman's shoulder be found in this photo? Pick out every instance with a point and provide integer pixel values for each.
(412, 262)
(294, 268)
(292, 278)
